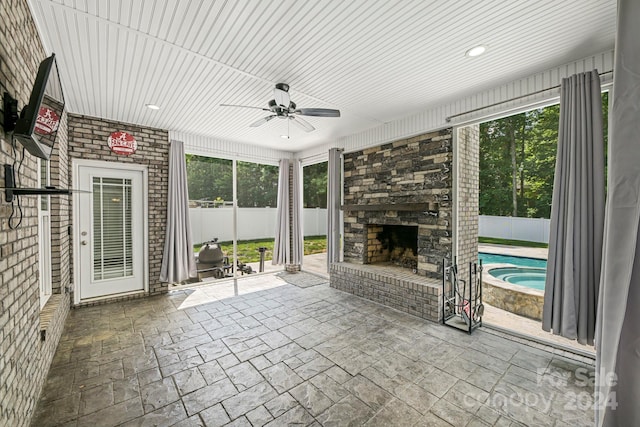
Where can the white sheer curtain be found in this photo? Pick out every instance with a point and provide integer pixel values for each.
(178, 260)
(577, 212)
(281, 247)
(617, 337)
(334, 174)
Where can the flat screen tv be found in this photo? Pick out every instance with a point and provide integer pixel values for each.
(37, 127)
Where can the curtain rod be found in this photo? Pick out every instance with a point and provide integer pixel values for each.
(448, 119)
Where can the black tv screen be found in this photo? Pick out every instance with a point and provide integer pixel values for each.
(39, 120)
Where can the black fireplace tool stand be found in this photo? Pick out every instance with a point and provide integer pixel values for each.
(462, 306)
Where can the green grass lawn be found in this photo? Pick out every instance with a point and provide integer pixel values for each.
(248, 249)
(508, 242)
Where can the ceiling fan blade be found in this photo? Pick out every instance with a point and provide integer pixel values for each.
(302, 124)
(261, 121)
(318, 112)
(244, 106)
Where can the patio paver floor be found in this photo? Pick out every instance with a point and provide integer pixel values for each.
(290, 350)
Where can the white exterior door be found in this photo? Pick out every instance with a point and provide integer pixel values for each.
(110, 238)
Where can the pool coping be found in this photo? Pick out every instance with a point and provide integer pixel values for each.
(517, 251)
(494, 281)
(516, 299)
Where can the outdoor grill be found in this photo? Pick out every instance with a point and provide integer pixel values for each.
(211, 261)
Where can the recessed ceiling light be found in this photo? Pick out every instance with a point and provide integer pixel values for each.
(476, 51)
(284, 136)
(152, 106)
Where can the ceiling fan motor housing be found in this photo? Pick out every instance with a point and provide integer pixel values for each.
(281, 95)
(280, 110)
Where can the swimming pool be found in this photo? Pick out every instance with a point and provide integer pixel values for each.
(529, 272)
(517, 287)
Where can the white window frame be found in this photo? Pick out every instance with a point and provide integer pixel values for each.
(44, 236)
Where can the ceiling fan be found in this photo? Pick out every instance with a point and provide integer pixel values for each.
(282, 107)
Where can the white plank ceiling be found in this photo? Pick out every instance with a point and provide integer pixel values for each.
(375, 60)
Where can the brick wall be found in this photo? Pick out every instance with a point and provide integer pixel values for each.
(293, 168)
(468, 151)
(24, 358)
(412, 171)
(88, 140)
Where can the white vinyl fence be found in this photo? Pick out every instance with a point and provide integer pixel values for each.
(260, 223)
(314, 221)
(506, 227)
(253, 223)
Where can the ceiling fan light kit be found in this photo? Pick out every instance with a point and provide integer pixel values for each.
(282, 107)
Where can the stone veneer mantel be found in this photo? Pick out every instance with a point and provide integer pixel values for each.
(400, 207)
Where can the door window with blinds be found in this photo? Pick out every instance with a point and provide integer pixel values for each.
(113, 255)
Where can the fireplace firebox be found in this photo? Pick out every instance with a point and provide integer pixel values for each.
(392, 244)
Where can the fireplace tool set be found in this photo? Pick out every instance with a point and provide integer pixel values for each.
(462, 306)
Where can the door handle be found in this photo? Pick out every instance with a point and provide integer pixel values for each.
(83, 243)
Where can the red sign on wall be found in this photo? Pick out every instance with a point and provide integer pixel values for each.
(122, 143)
(47, 121)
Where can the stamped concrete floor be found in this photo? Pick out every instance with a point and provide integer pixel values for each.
(289, 350)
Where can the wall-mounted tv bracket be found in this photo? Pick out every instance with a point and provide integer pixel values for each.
(10, 108)
(10, 190)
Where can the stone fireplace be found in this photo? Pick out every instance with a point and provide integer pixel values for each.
(398, 213)
(406, 183)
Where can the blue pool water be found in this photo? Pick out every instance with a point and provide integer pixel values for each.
(529, 272)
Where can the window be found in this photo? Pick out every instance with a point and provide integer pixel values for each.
(517, 162)
(44, 235)
(210, 181)
(314, 179)
(112, 233)
(257, 185)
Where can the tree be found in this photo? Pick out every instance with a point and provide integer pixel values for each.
(518, 159)
(314, 179)
(257, 185)
(209, 178)
(541, 161)
(498, 166)
(514, 163)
